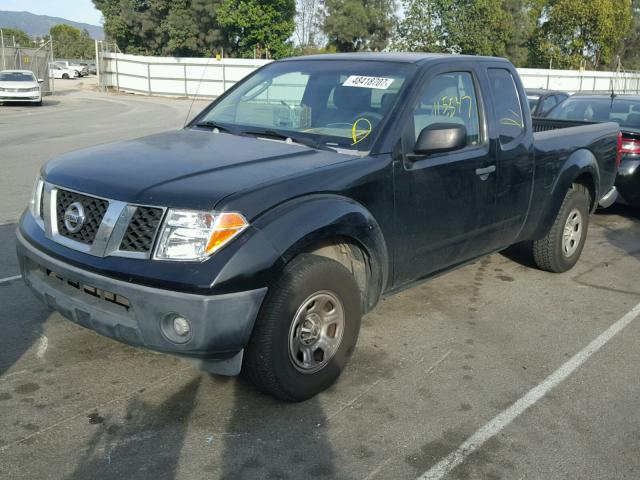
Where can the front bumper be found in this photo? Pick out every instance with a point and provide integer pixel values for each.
(628, 181)
(30, 97)
(131, 313)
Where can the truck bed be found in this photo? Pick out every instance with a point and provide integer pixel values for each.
(541, 124)
(555, 141)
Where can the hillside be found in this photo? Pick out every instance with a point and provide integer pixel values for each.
(38, 25)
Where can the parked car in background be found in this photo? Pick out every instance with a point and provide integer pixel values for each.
(91, 67)
(56, 71)
(82, 71)
(255, 238)
(20, 86)
(624, 110)
(542, 101)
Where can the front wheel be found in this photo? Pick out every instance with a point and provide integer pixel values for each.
(560, 249)
(306, 331)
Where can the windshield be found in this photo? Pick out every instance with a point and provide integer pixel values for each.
(533, 101)
(625, 112)
(17, 77)
(325, 103)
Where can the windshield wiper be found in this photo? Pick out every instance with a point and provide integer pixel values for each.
(214, 126)
(272, 134)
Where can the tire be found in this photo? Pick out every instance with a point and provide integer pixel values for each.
(274, 359)
(65, 76)
(558, 251)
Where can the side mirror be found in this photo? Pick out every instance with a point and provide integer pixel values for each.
(441, 137)
(40, 80)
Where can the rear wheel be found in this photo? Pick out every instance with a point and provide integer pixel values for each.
(306, 331)
(560, 249)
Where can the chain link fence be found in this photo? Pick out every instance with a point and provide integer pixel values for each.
(26, 58)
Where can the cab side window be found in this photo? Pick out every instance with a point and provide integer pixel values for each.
(507, 104)
(549, 103)
(449, 98)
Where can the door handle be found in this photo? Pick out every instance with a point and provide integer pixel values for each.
(485, 171)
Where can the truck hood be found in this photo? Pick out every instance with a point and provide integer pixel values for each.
(190, 168)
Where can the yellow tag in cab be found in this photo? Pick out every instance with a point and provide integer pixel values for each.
(357, 135)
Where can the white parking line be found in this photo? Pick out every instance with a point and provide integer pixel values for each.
(473, 443)
(10, 279)
(42, 346)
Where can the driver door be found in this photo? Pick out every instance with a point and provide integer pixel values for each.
(445, 202)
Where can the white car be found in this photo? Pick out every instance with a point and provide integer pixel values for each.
(20, 86)
(56, 71)
(81, 69)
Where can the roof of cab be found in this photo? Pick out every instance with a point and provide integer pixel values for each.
(397, 57)
(543, 91)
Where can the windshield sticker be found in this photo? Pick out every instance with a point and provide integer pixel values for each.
(379, 83)
(358, 135)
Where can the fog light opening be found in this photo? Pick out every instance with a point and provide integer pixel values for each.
(176, 328)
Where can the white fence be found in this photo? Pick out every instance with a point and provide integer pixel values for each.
(172, 76)
(573, 81)
(189, 77)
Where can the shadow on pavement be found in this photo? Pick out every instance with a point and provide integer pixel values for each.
(270, 439)
(21, 314)
(146, 445)
(520, 253)
(627, 238)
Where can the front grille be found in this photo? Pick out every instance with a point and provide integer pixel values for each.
(94, 209)
(141, 230)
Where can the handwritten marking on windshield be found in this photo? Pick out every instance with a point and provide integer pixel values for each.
(516, 121)
(359, 135)
(452, 106)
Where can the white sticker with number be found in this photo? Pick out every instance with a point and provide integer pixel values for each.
(379, 83)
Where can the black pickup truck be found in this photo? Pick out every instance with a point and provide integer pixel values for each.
(255, 238)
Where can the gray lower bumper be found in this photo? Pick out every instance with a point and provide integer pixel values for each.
(133, 314)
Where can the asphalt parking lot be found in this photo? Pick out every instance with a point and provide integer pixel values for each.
(435, 365)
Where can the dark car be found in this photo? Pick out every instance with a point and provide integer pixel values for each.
(255, 238)
(542, 101)
(624, 110)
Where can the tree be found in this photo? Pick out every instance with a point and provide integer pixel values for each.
(15, 36)
(308, 23)
(262, 24)
(352, 25)
(70, 42)
(575, 32)
(162, 27)
(629, 48)
(479, 27)
(524, 16)
(420, 29)
(198, 27)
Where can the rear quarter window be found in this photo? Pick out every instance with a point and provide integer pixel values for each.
(507, 104)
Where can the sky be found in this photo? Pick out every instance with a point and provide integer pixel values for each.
(76, 10)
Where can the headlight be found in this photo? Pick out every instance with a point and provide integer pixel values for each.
(35, 89)
(193, 235)
(2, 89)
(36, 197)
